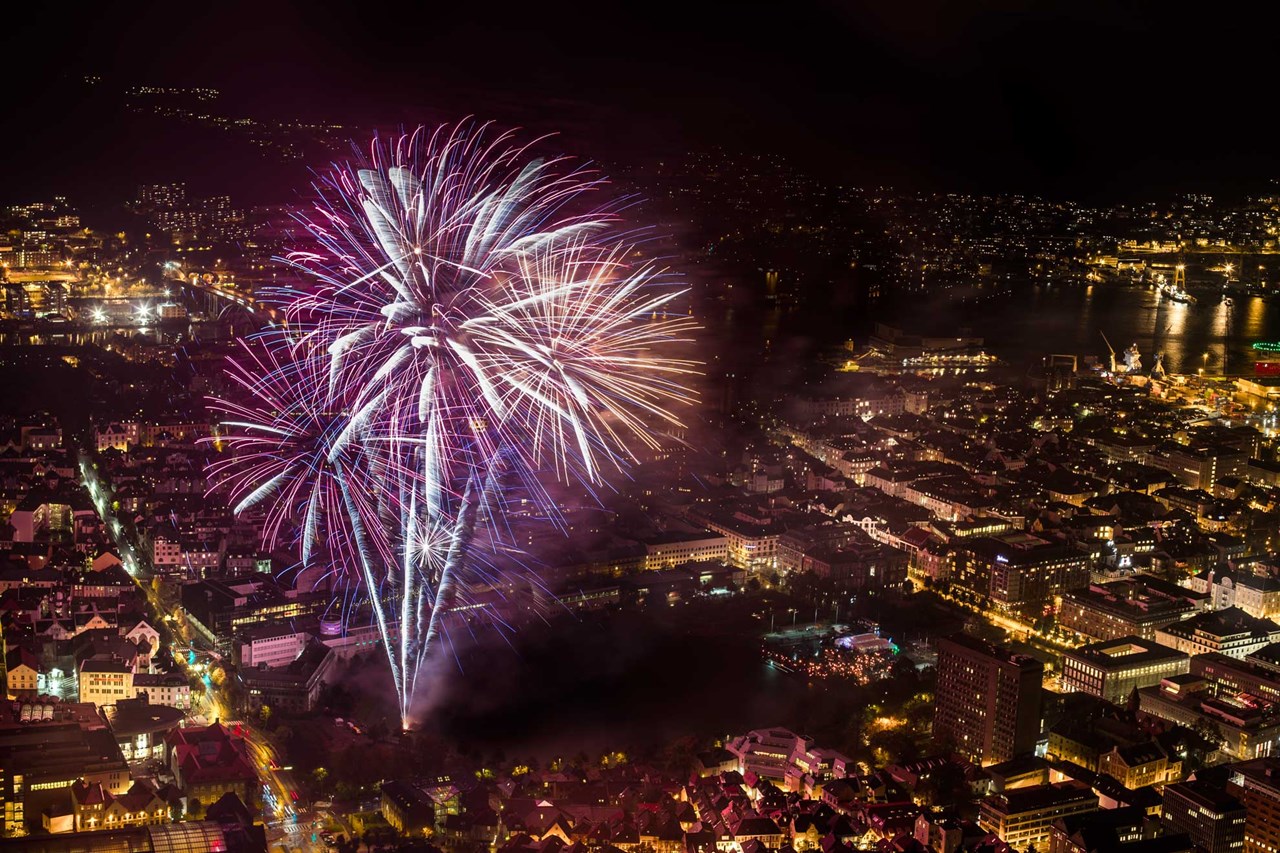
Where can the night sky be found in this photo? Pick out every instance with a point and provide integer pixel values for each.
(1074, 100)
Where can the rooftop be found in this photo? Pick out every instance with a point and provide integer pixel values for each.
(1124, 653)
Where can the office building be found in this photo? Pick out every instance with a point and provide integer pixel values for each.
(1214, 820)
(988, 699)
(1230, 632)
(1112, 669)
(1257, 785)
(1137, 606)
(1024, 817)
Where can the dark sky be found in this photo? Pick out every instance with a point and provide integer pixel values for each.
(1069, 99)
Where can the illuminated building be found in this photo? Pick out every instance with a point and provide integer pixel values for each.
(859, 565)
(1214, 819)
(219, 609)
(1255, 675)
(1257, 785)
(896, 344)
(787, 759)
(194, 558)
(1199, 467)
(1134, 607)
(210, 762)
(1024, 817)
(752, 544)
(270, 645)
(1261, 387)
(1248, 730)
(229, 828)
(1263, 473)
(675, 548)
(162, 195)
(41, 438)
(22, 673)
(1112, 669)
(140, 727)
(39, 762)
(1140, 764)
(171, 689)
(988, 699)
(407, 808)
(38, 513)
(105, 681)
(1231, 632)
(95, 807)
(1257, 595)
(295, 688)
(1017, 571)
(1126, 829)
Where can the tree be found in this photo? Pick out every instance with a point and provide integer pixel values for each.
(195, 809)
(1210, 733)
(677, 756)
(946, 786)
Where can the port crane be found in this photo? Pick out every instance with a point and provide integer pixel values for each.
(1112, 363)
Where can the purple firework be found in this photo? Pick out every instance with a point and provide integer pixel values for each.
(473, 318)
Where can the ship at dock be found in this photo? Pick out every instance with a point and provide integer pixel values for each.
(1175, 291)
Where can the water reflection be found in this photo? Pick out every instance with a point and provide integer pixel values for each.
(145, 335)
(1069, 320)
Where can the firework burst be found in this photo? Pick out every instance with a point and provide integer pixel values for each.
(473, 319)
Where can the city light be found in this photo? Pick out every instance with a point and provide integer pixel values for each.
(413, 503)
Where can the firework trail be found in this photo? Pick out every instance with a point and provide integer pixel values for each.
(472, 318)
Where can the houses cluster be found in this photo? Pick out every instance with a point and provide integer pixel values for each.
(74, 623)
(79, 634)
(792, 796)
(1012, 500)
(155, 473)
(73, 768)
(1003, 498)
(1111, 783)
(92, 733)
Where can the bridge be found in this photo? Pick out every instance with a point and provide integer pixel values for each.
(205, 293)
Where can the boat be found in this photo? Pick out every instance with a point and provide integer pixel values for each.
(1176, 293)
